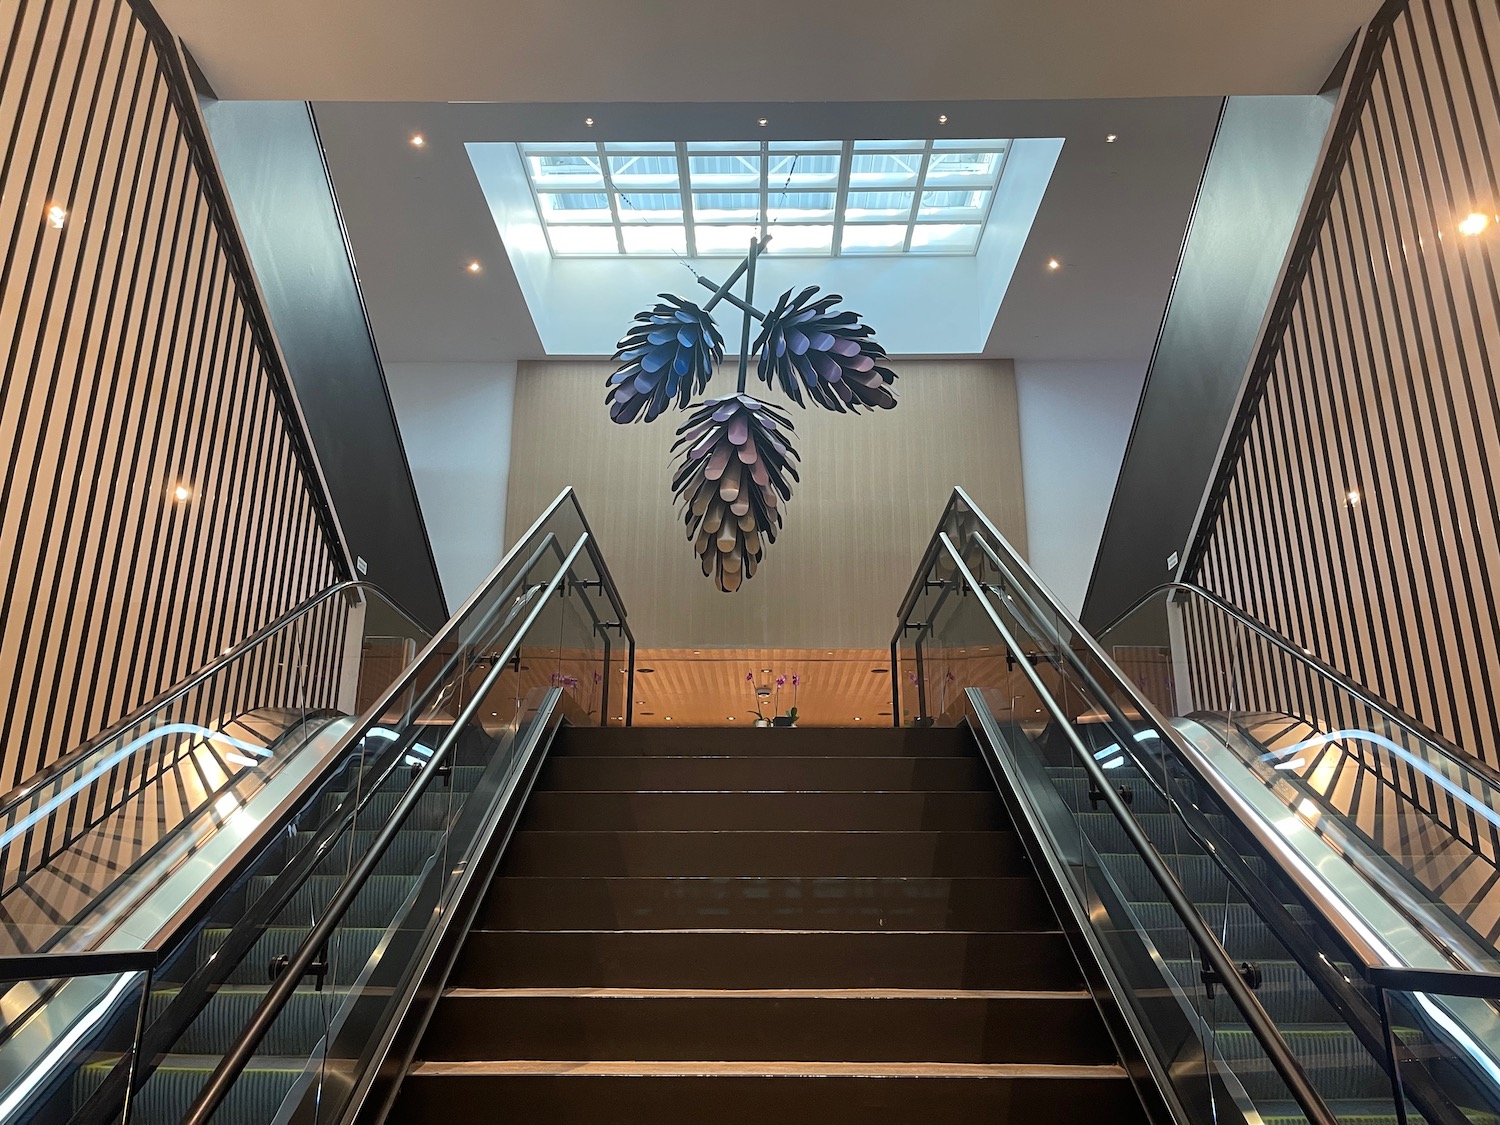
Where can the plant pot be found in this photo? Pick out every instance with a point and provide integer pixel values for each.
(783, 721)
(762, 722)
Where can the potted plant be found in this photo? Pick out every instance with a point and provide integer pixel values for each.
(790, 718)
(761, 694)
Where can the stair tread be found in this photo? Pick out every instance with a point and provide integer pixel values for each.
(762, 1069)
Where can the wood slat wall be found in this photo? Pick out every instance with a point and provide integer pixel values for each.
(136, 358)
(1356, 509)
(872, 488)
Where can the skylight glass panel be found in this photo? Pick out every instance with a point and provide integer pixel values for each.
(815, 198)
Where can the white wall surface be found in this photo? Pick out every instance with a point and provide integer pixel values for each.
(1075, 423)
(455, 420)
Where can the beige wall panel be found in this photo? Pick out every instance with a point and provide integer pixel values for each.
(872, 489)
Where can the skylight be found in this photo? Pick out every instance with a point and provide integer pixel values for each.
(704, 199)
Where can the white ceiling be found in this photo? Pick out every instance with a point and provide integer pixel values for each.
(771, 51)
(1113, 214)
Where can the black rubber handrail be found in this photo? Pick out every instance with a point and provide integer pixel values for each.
(1214, 956)
(214, 1091)
(1449, 749)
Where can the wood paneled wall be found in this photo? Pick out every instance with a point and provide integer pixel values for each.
(136, 360)
(873, 487)
(1356, 508)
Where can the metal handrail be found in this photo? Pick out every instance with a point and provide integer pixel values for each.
(29, 787)
(237, 1057)
(1449, 749)
(1214, 955)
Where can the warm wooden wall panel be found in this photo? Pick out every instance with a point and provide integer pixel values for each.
(872, 489)
(134, 358)
(1357, 510)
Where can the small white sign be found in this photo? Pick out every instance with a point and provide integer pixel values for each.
(1171, 561)
(364, 567)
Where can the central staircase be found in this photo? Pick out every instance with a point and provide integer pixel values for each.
(725, 926)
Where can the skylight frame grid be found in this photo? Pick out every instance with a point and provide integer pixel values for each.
(764, 192)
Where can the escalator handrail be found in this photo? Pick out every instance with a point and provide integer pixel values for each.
(31, 785)
(212, 1095)
(1456, 753)
(1257, 1019)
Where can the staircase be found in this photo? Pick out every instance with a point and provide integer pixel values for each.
(765, 925)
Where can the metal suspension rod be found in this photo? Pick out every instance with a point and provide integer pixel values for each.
(755, 245)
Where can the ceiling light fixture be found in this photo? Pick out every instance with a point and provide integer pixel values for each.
(1111, 138)
(667, 718)
(418, 141)
(1053, 264)
(475, 266)
(1351, 498)
(856, 718)
(1472, 225)
(942, 119)
(182, 493)
(57, 216)
(589, 121)
(730, 718)
(761, 122)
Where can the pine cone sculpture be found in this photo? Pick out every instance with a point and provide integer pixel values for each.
(732, 480)
(669, 352)
(804, 344)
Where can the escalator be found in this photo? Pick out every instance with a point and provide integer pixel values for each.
(1059, 895)
(128, 1013)
(1268, 809)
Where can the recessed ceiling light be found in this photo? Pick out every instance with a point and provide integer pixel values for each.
(645, 671)
(418, 141)
(589, 121)
(1053, 264)
(697, 652)
(182, 493)
(1472, 225)
(1351, 498)
(730, 718)
(1112, 138)
(667, 718)
(57, 216)
(879, 671)
(942, 119)
(761, 122)
(856, 718)
(475, 266)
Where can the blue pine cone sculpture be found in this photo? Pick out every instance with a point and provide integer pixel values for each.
(669, 353)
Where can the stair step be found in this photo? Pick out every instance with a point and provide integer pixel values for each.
(581, 903)
(642, 854)
(792, 812)
(691, 1093)
(786, 1026)
(811, 742)
(654, 773)
(787, 959)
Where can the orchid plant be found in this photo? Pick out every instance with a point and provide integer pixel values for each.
(764, 693)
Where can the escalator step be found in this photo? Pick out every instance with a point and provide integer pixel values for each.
(1335, 1061)
(376, 903)
(1237, 926)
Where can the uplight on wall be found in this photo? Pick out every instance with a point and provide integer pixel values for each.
(1474, 224)
(57, 216)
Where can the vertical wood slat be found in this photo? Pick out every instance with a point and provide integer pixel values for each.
(136, 357)
(1376, 376)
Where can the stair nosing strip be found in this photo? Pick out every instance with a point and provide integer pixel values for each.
(759, 1069)
(561, 993)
